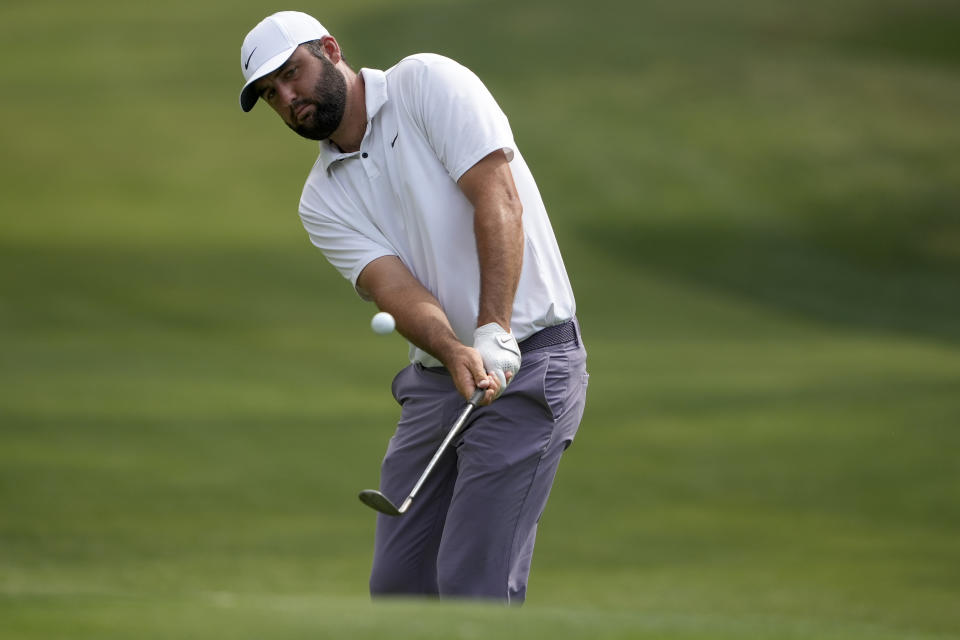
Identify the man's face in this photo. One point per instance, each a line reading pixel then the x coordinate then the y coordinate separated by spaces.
pixel 309 94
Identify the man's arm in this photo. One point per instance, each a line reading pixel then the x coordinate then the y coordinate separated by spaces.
pixel 498 226
pixel 499 235
pixel 422 321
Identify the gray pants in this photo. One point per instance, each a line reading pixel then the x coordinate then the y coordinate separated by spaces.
pixel 471 530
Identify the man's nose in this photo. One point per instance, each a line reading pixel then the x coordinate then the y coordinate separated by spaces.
pixel 286 93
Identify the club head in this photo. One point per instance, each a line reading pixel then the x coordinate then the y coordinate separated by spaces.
pixel 379 502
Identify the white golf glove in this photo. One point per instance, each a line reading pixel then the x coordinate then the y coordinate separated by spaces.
pixel 499 351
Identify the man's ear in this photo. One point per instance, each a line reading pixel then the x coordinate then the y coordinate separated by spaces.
pixel 332 48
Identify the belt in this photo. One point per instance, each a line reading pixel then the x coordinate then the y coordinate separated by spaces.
pixel 551 336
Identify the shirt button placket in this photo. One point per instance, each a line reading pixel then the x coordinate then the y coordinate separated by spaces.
pixel 369 165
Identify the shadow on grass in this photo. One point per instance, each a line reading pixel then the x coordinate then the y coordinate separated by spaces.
pixel 798 274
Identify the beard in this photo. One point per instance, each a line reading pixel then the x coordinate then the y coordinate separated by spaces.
pixel 329 101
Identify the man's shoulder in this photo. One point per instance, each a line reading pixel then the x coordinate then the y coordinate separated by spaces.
pixel 420 66
pixel 419 61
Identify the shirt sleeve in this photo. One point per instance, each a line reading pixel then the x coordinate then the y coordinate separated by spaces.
pixel 461 119
pixel 349 243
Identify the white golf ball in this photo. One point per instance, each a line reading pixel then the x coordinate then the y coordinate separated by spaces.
pixel 383 323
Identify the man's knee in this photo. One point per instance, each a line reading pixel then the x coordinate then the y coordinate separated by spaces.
pixel 490 585
pixel 391 579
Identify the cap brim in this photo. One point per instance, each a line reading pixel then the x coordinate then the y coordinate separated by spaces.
pixel 248 95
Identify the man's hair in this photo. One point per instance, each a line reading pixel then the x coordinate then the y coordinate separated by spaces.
pixel 316 48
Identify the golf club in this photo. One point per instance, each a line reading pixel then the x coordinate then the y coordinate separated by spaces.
pixel 379 502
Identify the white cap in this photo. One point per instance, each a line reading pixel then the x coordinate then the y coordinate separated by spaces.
pixel 270 43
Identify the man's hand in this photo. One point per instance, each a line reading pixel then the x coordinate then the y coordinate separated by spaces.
pixel 499 351
pixel 466 368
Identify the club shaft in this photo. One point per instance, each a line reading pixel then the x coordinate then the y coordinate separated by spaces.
pixel 454 430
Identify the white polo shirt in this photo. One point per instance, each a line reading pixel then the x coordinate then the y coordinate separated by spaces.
pixel 429 121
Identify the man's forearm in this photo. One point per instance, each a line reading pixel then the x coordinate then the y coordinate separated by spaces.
pixel 420 318
pixel 422 321
pixel 498 227
pixel 499 232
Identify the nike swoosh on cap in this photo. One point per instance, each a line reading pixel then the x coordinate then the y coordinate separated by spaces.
pixel 246 65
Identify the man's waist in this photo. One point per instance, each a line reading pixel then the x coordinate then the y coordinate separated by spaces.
pixel 558 334
pixel 567 332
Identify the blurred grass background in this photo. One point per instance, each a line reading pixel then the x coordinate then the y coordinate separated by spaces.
pixel 758 206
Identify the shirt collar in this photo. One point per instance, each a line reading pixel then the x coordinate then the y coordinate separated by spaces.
pixel 375 96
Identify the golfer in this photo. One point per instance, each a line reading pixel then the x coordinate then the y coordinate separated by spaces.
pixel 421 199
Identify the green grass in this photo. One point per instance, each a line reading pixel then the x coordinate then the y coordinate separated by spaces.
pixel 759 206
